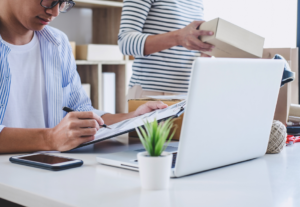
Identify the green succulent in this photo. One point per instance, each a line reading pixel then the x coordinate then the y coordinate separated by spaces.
pixel 155 135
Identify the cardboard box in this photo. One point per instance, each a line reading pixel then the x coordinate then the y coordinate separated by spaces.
pixel 97 52
pixel 232 41
pixel 73 46
pixel 291 56
pixel 289 93
pixel 294 110
pixel 283 104
pixel 135 103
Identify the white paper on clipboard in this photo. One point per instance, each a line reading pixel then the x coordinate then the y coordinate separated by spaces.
pixel 132 123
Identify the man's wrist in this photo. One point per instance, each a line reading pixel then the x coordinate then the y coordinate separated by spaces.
pixel 48 144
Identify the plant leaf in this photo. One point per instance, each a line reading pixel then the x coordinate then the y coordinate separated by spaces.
pixel 155 136
pixel 170 138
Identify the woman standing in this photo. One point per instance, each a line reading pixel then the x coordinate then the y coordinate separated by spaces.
pixel 162 35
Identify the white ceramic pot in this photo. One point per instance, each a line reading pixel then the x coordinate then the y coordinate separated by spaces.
pixel 155 171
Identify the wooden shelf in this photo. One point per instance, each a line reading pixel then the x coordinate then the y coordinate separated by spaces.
pixel 86 62
pixel 106 24
pixel 97 4
pixel 91 72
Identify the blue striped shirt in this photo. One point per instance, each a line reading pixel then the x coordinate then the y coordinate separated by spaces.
pixel 168 70
pixel 63 85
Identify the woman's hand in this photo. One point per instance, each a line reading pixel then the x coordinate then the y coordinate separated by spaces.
pixel 188 37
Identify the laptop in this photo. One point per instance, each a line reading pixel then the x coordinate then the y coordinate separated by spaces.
pixel 228 116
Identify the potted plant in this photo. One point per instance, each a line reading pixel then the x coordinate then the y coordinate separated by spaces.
pixel 154 163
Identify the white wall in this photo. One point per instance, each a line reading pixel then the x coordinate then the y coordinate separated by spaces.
pixel 273 19
pixel 77 24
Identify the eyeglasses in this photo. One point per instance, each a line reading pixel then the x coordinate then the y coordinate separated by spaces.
pixel 64 5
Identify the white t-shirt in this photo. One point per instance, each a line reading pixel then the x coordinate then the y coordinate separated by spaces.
pixel 27 102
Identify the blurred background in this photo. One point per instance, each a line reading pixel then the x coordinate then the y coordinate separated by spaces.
pixel 96 21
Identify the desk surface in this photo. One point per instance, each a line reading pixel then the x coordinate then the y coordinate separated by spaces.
pixel 273 180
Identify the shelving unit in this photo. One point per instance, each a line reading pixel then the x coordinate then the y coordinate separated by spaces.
pixel 86 62
pixel 105 25
pixel 97 4
pixel 91 72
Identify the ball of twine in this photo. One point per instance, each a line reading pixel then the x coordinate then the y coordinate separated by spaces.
pixel 277 138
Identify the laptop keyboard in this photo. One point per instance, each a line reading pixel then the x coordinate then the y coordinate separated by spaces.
pixel 174 159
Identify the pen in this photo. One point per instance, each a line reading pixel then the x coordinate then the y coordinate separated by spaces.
pixel 67 109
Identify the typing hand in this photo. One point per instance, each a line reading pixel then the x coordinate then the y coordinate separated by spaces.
pixel 149 106
pixel 75 129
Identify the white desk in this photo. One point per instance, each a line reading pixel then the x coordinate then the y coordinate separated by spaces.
pixel 273 180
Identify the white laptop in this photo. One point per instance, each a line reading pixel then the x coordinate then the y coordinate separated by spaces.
pixel 228 116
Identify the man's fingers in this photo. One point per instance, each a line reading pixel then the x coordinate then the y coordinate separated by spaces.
pixel 82 132
pixel 82 140
pixel 99 119
pixel 92 123
pixel 83 114
pixel 156 105
pixel 83 123
pixel 87 132
pixel 87 115
pixel 161 105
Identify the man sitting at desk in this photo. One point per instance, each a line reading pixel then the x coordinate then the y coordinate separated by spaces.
pixel 38 77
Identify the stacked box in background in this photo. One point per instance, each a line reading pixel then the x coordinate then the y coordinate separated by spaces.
pixel 73 46
pixel 289 93
pixel 135 103
pixel 99 52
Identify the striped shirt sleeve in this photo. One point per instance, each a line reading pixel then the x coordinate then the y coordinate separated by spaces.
pixel 131 38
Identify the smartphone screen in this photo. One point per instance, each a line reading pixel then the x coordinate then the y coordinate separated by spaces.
pixel 48 159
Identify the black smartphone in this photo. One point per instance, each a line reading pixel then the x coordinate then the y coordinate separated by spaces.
pixel 46 161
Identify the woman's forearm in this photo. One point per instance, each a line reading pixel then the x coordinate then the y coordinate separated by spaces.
pixel 156 43
pixel 187 37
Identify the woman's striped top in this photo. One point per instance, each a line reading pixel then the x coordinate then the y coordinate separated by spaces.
pixel 168 70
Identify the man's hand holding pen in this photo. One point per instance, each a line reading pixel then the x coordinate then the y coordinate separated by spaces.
pixel 67 109
pixel 75 128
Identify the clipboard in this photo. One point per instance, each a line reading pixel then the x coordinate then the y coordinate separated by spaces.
pixel 119 128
